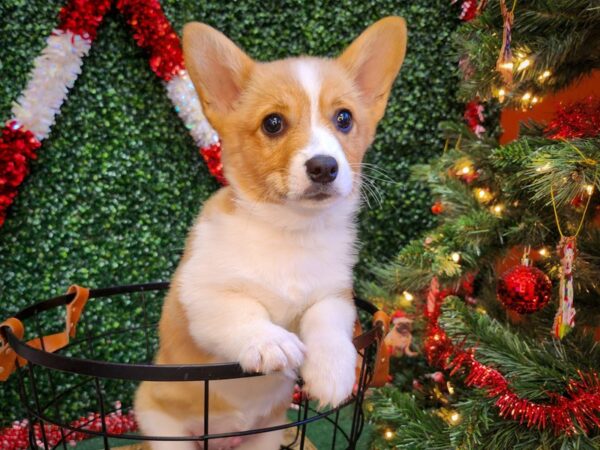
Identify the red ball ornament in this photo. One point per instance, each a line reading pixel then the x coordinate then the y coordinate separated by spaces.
pixel 437 208
pixel 524 289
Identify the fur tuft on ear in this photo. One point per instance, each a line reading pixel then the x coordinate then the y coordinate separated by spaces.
pixel 217 67
pixel 374 59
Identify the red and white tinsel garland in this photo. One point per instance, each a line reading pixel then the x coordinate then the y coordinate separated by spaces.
pixel 578 408
pixel 58 66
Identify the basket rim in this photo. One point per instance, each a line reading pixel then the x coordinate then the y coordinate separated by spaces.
pixel 143 371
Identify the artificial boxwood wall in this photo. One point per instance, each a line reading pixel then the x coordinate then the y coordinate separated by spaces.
pixel 119 181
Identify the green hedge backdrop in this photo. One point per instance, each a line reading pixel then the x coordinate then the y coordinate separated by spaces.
pixel 119 181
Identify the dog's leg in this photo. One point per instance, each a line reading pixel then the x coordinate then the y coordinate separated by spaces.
pixel 326 330
pixel 158 423
pixel 254 341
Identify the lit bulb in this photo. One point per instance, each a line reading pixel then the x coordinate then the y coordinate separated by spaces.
pixel 454 417
pixel 544 168
pixel 388 434
pixel 507 65
pixel 498 209
pixel 466 170
pixel 526 96
pixel 524 64
pixel 543 252
pixel 544 75
pixel 408 296
pixel 535 100
pixel 501 94
pixel 455 257
pixel 589 188
pixel 483 195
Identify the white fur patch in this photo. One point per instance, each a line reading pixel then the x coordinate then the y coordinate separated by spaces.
pixel 322 141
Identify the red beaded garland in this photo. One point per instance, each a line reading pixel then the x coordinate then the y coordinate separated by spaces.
pixel 524 289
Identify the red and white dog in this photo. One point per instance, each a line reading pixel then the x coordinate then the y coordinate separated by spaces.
pixel 266 277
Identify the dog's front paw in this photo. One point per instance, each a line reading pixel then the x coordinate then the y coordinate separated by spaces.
pixel 329 371
pixel 274 349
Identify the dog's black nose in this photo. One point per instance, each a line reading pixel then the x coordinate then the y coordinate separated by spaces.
pixel 322 169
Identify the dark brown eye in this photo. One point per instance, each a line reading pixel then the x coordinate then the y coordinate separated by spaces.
pixel 343 120
pixel 272 124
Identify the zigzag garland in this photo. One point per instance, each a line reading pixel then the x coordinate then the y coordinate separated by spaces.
pixel 59 65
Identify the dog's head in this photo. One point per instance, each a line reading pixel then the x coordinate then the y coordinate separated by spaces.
pixel 295 131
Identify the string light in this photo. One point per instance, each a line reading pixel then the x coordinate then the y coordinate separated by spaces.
pixel 408 296
pixel 454 418
pixel 543 252
pixel 501 94
pixel 535 100
pixel 589 188
pixel 544 75
pixel 466 170
pixel 481 310
pixel 388 434
pixel 507 65
pixel 455 257
pixel 524 64
pixel 483 195
pixel 526 96
pixel 497 209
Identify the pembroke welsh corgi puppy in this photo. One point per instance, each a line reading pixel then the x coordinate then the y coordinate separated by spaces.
pixel 266 276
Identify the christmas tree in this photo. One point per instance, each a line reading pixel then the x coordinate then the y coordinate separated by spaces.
pixel 504 291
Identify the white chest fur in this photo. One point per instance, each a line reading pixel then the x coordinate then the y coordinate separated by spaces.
pixel 286 262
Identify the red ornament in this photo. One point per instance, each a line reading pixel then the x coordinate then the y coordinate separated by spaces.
pixel 468 10
pixel 437 208
pixel 473 115
pixel 524 289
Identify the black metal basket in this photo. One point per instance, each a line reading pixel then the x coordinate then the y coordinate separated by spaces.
pixel 55 388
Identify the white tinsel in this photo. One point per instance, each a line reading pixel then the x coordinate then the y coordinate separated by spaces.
pixel 54 73
pixel 180 90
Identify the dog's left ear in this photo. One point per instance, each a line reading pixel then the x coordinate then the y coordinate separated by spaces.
pixel 374 59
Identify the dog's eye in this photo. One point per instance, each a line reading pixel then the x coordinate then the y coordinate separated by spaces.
pixel 343 120
pixel 273 124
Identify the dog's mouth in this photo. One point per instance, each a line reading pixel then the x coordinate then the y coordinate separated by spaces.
pixel 318 193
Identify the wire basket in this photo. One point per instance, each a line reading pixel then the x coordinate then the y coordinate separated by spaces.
pixel 59 387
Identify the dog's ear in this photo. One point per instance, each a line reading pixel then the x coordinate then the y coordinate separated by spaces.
pixel 217 67
pixel 374 59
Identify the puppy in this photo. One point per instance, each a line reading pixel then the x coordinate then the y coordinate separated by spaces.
pixel 266 276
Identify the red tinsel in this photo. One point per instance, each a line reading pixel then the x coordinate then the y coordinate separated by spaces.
pixel 576 120
pixel 17 147
pixel 212 156
pixel 578 408
pixel 82 17
pixel 153 32
pixel 17 436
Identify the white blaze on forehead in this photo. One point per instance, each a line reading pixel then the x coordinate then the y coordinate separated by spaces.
pixel 308 75
pixel 322 140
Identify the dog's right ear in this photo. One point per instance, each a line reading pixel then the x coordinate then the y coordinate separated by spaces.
pixel 217 67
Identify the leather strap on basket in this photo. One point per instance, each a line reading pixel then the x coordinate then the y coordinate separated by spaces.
pixel 382 358
pixel 50 343
pixel 382 361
